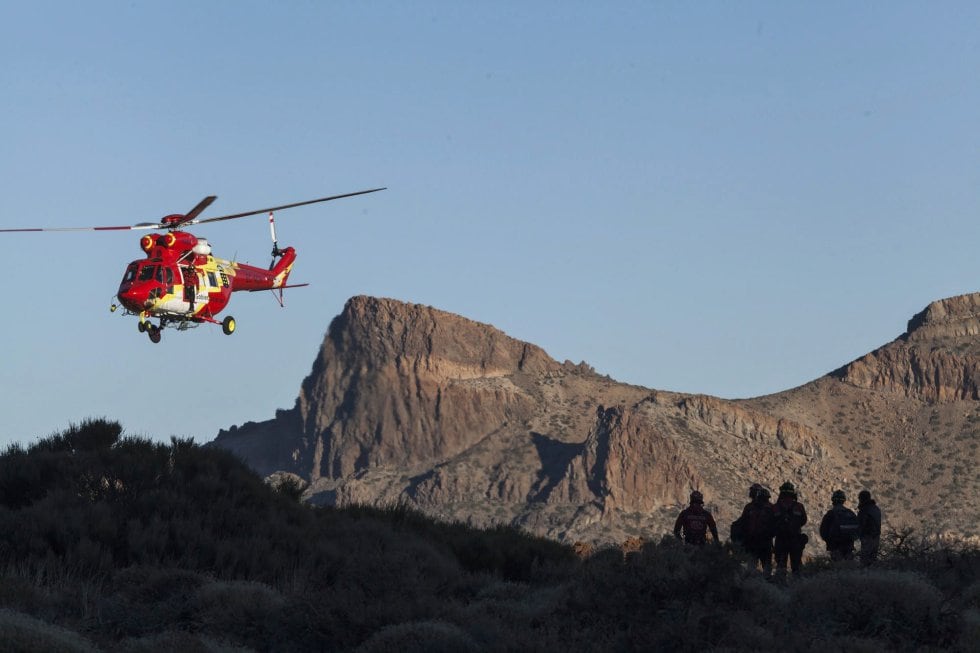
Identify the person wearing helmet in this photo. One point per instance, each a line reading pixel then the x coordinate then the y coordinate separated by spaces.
pixel 737 530
pixel 757 529
pixel 869 527
pixel 695 521
pixel 839 528
pixel 790 517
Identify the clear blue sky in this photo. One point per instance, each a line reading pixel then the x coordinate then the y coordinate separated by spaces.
pixel 728 198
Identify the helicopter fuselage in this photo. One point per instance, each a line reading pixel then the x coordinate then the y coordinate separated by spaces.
pixel 180 280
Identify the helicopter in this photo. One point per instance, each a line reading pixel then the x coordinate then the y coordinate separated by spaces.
pixel 181 283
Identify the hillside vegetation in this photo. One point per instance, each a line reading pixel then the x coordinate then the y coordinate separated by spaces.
pixel 124 544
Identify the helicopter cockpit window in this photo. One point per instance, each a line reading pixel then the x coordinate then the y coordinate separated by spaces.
pixel 130 273
pixel 147 272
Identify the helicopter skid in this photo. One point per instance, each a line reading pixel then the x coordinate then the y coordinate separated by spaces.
pixel 176 320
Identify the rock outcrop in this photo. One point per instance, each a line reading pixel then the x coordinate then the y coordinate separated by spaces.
pixel 742 422
pixel 626 464
pixel 937 359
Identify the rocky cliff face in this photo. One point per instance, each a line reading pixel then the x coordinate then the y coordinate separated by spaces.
pixel 626 464
pixel 937 359
pixel 406 403
pixel 403 384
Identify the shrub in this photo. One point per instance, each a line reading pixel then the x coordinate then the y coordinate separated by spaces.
pixel 894 605
pixel 419 637
pixel 90 435
pixel 143 600
pixel 248 611
pixel 21 633
pixel 970 631
pixel 175 641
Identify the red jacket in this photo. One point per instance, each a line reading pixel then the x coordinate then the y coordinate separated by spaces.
pixel 696 522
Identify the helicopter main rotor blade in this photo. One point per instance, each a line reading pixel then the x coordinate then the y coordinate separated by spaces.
pixel 196 211
pixel 284 206
pixel 123 228
pixel 191 218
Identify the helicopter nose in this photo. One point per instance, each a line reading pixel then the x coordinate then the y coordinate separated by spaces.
pixel 131 298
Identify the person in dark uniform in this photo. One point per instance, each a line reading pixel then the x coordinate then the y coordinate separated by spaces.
pixel 839 528
pixel 758 530
pixel 869 527
pixel 789 516
pixel 695 521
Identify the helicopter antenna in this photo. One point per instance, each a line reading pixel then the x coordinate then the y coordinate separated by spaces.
pixel 275 243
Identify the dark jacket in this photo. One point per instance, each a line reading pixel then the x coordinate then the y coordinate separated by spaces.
pixel 696 522
pixel 829 528
pixel 758 525
pixel 790 517
pixel 869 520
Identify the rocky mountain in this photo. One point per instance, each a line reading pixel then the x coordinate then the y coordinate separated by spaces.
pixel 407 403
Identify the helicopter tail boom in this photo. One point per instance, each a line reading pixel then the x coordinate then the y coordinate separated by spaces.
pixel 251 278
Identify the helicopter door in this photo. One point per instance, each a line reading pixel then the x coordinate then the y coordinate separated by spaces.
pixel 189 286
pixel 202 289
pixel 171 302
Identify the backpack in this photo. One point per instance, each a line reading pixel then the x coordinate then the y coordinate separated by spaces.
pixel 846 526
pixel 785 520
pixel 759 526
pixel 737 531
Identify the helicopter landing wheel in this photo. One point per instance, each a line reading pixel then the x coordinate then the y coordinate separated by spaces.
pixel 141 326
pixel 228 325
pixel 154 333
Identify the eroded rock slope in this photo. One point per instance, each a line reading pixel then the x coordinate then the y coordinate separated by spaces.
pixel 406 403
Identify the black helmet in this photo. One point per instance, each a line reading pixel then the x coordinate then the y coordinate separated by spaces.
pixel 838 496
pixel 787 488
pixel 754 490
pixel 864 497
pixel 762 494
pixel 697 497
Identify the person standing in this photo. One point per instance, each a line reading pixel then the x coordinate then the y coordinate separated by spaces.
pixel 695 521
pixel 869 527
pixel 789 516
pixel 738 526
pixel 839 528
pixel 757 518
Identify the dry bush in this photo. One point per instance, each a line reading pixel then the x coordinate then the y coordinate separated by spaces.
pixel 971 596
pixel 144 600
pixel 248 612
pixel 175 641
pixel 500 550
pixel 90 435
pixel 895 607
pixel 508 616
pixel 768 604
pixel 419 637
pixel 20 633
pixel 969 638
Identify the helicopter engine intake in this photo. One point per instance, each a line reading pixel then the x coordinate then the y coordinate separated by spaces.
pixel 179 240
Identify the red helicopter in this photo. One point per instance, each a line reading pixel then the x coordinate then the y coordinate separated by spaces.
pixel 181 283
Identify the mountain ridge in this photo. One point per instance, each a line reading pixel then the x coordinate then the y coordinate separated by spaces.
pixel 407 403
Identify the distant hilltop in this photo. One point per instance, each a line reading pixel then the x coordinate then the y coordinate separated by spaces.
pixel 407 403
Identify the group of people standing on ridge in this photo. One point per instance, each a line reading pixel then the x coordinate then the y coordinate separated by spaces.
pixel 765 529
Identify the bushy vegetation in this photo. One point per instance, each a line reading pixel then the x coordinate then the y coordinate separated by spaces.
pixel 124 544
